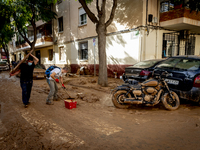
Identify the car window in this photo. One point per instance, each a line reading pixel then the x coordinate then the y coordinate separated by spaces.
pixel 3 63
pixel 146 64
pixel 188 64
pixel 169 63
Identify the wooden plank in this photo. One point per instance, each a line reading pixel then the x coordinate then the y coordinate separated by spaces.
pixel 13 71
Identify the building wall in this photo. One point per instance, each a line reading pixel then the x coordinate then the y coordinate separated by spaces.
pixel 121 49
pixel 197 45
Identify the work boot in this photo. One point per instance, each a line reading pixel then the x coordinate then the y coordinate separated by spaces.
pixel 49 103
pixel 55 99
pixel 25 106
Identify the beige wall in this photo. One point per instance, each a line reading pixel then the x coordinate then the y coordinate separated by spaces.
pixel 62 10
pixel 197 45
pixel 128 15
pixel 121 49
pixel 125 18
pixel 44 54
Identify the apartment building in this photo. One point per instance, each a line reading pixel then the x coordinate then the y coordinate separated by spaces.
pixel 141 30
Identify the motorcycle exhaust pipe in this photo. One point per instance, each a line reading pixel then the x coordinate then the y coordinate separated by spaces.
pixel 132 101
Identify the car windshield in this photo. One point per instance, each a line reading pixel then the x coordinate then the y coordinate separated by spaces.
pixel 169 63
pixel 3 63
pixel 146 64
pixel 188 64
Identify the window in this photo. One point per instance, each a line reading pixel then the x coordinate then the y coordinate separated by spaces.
pixel 166 6
pixel 169 63
pixel 178 43
pixel 82 17
pixel 61 54
pixel 60 24
pixel 50 54
pixel 146 64
pixel 83 51
pixel 188 64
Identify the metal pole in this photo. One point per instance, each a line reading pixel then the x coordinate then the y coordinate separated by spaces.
pixel 94 58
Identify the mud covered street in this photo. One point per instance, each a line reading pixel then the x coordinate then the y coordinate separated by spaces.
pixel 95 124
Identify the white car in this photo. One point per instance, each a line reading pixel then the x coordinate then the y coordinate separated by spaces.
pixel 4 65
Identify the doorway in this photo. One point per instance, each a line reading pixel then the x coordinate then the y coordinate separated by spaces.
pixel 37 54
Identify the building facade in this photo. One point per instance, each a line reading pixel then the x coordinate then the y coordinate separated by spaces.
pixel 141 30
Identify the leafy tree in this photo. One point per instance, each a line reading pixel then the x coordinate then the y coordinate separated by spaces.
pixel 6 28
pixel 101 29
pixel 27 12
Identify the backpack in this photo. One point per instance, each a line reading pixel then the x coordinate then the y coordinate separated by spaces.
pixel 47 72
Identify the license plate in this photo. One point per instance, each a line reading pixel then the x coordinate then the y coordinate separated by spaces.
pixel 134 75
pixel 174 82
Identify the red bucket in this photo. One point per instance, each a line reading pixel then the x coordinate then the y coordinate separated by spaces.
pixel 70 104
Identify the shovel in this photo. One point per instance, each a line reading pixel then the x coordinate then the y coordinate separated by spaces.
pixel 69 97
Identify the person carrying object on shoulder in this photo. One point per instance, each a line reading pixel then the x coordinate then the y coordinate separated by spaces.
pixel 26 77
pixel 54 77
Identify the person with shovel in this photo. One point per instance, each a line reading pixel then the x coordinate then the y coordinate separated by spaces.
pixel 52 78
pixel 26 77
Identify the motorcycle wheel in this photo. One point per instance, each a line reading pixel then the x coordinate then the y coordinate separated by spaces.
pixel 118 97
pixel 169 103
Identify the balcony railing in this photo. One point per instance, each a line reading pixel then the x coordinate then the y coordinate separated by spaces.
pixel 179 13
pixel 40 38
pixel 39 35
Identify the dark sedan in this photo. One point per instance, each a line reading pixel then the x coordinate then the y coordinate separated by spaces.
pixel 141 70
pixel 183 77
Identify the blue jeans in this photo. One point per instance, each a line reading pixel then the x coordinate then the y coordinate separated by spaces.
pixel 26 90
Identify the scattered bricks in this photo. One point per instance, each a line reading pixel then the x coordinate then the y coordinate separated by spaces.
pixel 93 81
pixel 82 82
pixel 85 99
pixel 90 101
pixel 94 98
pixel 80 95
pixel 73 87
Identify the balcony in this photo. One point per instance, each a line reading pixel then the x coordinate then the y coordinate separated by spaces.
pixel 181 19
pixel 42 41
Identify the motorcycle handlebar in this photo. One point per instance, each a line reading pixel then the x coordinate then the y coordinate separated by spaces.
pixel 162 75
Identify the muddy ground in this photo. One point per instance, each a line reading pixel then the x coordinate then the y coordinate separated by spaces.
pixel 95 124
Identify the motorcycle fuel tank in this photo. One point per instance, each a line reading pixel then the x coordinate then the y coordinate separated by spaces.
pixel 150 82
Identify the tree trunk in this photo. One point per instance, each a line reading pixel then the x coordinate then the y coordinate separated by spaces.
pixel 7 54
pixel 101 31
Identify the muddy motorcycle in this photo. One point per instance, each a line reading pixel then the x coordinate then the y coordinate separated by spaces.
pixel 150 93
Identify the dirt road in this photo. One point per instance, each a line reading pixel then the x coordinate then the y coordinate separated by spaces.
pixel 95 124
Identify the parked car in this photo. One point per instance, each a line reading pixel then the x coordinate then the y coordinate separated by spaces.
pixel 141 70
pixel 38 72
pixel 184 75
pixel 4 65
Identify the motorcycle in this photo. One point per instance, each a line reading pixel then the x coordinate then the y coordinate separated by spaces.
pixel 150 92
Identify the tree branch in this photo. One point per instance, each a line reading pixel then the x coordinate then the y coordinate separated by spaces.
pixel 92 17
pixel 97 6
pixel 112 13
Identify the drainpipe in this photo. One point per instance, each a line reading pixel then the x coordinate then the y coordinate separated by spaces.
pixel 146 11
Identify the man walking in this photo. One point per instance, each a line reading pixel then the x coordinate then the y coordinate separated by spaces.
pixel 26 78
pixel 54 77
